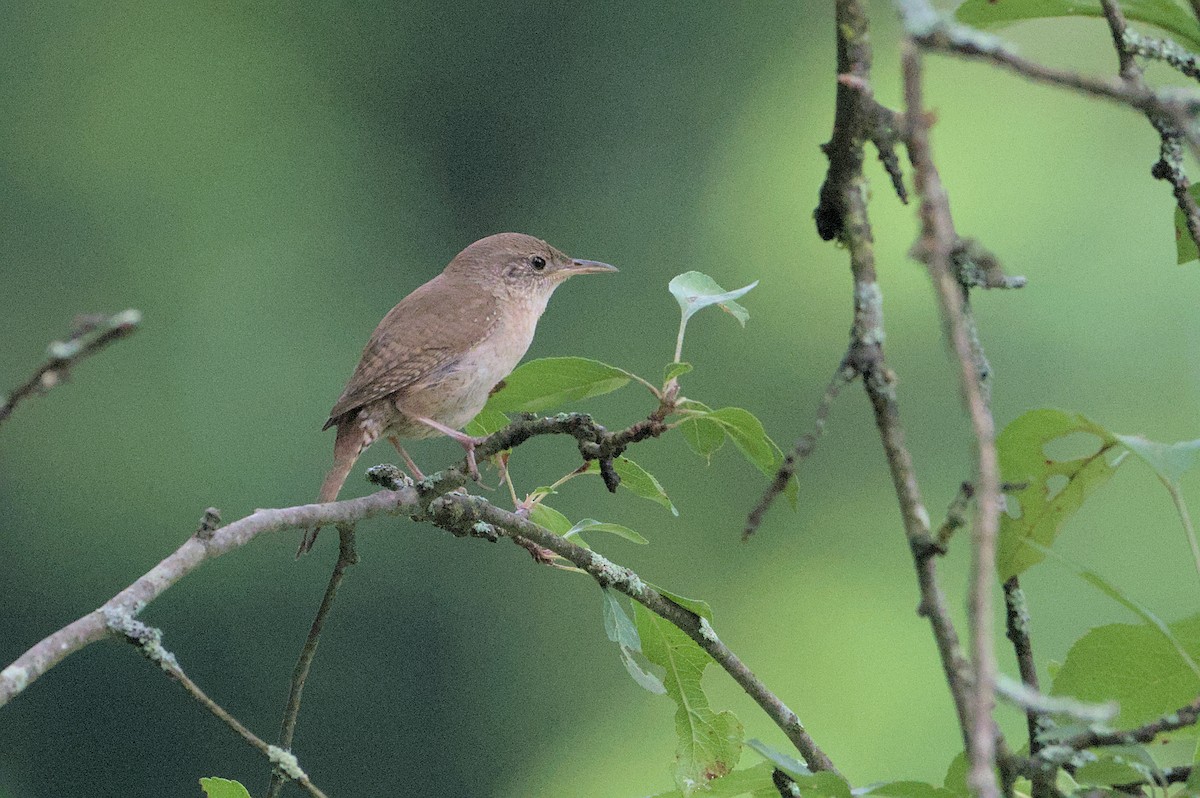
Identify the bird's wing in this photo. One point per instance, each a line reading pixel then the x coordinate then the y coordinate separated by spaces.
pixel 421 335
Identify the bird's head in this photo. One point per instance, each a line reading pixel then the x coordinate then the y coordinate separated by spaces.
pixel 518 266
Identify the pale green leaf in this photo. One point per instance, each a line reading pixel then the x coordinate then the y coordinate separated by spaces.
pixel 1136 665
pixel 695 291
pixel 956 775
pixel 675 370
pixel 215 787
pixel 486 423
pixel 1169 460
pixel 592 525
pixel 709 744
pixel 637 481
pixel 785 762
pixel 555 381
pixel 1163 14
pixel 1044 506
pixel 621 631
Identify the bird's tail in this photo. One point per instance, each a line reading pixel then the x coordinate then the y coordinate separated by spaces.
pixel 346 450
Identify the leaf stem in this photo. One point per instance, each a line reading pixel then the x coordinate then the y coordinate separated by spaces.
pixel 1186 518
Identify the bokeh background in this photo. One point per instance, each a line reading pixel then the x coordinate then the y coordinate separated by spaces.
pixel 265 180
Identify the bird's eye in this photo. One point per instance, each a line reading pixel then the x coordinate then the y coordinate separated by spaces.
pixel 538 263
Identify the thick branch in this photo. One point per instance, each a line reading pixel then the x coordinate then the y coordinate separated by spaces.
pixel 65 354
pixel 429 500
pixel 191 555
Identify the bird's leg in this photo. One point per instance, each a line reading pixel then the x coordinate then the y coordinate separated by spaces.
pixel 412 467
pixel 468 442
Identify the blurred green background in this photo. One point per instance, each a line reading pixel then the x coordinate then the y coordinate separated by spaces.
pixel 265 180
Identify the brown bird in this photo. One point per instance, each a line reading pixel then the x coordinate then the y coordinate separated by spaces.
pixel 435 357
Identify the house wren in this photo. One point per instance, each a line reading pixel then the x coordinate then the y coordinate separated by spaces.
pixel 435 357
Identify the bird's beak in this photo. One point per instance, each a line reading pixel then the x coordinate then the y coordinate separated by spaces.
pixel 587 267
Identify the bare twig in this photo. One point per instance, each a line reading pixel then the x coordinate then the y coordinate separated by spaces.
pixel 65 354
pixel 936 249
pixel 800 451
pixel 149 642
pixel 844 192
pixel 347 556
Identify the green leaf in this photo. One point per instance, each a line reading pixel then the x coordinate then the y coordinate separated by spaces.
pixel 1023 460
pixel 215 787
pixel 486 423
pixel 823 785
pixel 908 789
pixel 637 481
pixel 755 782
pixel 675 370
pixel 956 775
pixel 1160 13
pixel 621 631
pixel 704 436
pixel 748 436
pixel 709 744
pixel 550 518
pixel 592 525
pixel 1121 766
pixel 554 381
pixel 788 764
pixel 1136 665
pixel 1185 247
pixel 695 291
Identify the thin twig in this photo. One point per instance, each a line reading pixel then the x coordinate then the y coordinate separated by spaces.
pixel 347 556
pixel 65 354
pixel 1181 718
pixel 1016 624
pixel 936 249
pixel 149 641
pixel 800 451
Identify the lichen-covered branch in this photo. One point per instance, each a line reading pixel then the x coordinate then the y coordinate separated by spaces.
pixel 429 500
pixel 88 336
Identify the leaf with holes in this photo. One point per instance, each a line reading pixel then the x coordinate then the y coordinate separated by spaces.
pixel 709 743
pixel 1163 14
pixel 1045 505
pixel 555 381
pixel 755 782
